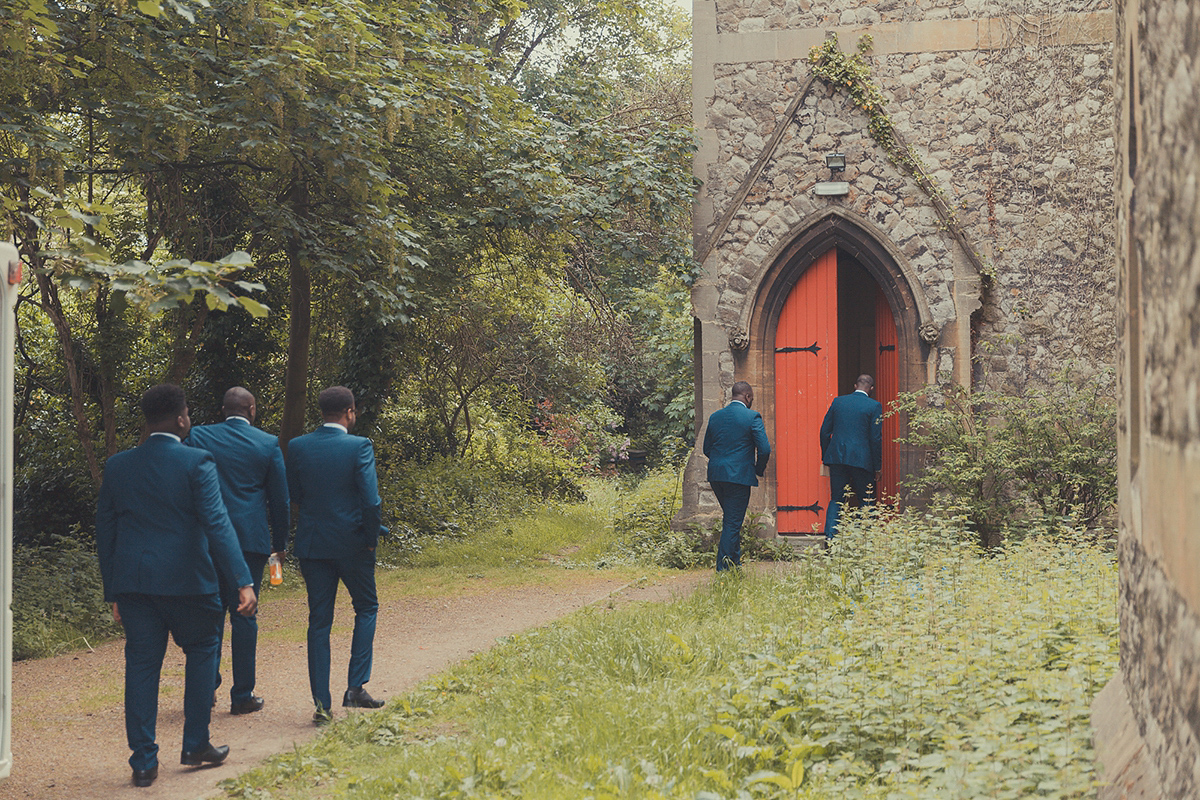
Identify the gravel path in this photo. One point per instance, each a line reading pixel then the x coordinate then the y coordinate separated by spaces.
pixel 68 724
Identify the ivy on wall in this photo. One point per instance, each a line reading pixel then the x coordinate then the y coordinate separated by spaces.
pixel 852 73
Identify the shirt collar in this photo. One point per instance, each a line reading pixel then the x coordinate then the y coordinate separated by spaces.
pixel 337 425
pixel 860 391
pixel 168 435
pixel 731 402
pixel 238 416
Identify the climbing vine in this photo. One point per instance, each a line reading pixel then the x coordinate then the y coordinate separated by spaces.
pixel 852 73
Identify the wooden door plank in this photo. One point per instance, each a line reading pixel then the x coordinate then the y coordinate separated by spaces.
pixel 805 383
pixel 887 384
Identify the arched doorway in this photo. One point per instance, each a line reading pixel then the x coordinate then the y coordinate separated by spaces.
pixel 835 325
pixel 881 282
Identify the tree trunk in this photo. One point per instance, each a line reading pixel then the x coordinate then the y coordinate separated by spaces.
pixel 186 341
pixel 52 305
pixel 295 382
pixel 107 377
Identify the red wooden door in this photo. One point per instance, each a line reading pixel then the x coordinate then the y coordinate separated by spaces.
pixel 806 365
pixel 887 384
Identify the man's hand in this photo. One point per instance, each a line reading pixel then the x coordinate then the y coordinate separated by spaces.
pixel 116 614
pixel 247 602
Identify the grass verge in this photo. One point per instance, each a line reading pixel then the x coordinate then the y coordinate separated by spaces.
pixel 904 664
pixel 545 548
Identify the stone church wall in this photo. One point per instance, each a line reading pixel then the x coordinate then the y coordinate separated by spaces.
pixel 1147 720
pixel 1007 104
pixel 760 15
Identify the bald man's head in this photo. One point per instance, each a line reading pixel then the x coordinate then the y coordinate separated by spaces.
pixel 239 402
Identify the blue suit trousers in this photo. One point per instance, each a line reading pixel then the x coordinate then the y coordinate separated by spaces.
pixel 243 632
pixel 321 578
pixel 194 621
pixel 734 499
pixel 862 485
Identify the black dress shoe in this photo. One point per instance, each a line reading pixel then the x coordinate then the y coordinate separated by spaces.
pixel 322 717
pixel 145 777
pixel 248 706
pixel 210 755
pixel 358 698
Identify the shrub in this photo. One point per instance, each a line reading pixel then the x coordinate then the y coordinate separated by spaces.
pixel 58 598
pixel 503 473
pixel 588 436
pixel 918 669
pixel 642 523
pixel 643 527
pixel 52 490
pixel 1042 459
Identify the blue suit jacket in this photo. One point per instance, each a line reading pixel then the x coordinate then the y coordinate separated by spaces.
pixel 161 527
pixel 253 482
pixel 331 475
pixel 736 445
pixel 852 432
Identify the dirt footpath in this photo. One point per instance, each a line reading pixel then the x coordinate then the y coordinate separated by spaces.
pixel 68 723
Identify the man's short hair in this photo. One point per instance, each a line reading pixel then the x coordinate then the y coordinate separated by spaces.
pixel 741 389
pixel 335 400
pixel 163 402
pixel 867 379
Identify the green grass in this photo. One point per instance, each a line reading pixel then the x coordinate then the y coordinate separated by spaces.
pixel 531 549
pixel 905 664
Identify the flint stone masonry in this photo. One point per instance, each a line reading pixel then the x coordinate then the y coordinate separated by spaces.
pixel 1158 238
pixel 1007 104
pixel 1016 141
pixel 760 15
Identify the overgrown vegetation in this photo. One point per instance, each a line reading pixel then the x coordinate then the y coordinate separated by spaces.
pixel 58 599
pixel 904 664
pixel 473 214
pixel 1043 459
pixel 642 523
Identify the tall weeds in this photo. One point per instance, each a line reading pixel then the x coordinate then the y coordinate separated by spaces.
pixel 903 663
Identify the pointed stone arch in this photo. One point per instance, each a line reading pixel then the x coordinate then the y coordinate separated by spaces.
pixel 916 332
pixel 799 249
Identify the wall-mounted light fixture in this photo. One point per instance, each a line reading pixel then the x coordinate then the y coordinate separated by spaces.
pixel 836 162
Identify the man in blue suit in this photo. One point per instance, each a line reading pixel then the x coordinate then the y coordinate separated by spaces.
pixel 254 488
pixel 735 442
pixel 331 475
pixel 852 448
pixel 162 535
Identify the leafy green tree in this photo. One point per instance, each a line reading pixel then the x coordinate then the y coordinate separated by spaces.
pixel 488 195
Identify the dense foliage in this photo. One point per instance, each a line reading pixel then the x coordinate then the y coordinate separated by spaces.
pixel 1040 459
pixel 906 663
pixel 58 599
pixel 645 534
pixel 642 523
pixel 472 212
